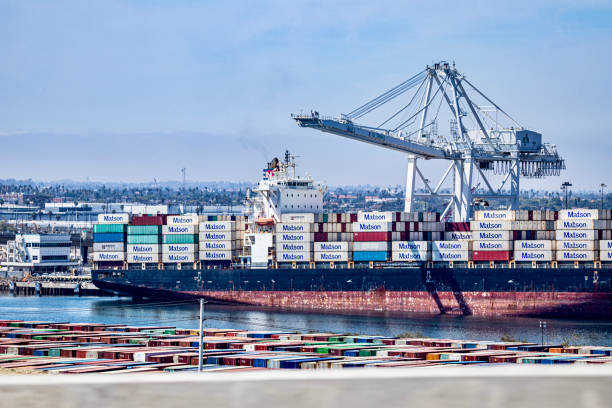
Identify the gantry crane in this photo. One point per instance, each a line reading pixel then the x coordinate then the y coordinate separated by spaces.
pixel 488 147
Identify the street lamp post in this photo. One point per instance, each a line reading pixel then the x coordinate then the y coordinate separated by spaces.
pixel 601 190
pixel 564 187
pixel 542 327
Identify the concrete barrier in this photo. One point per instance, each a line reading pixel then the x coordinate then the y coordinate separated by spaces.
pixel 512 386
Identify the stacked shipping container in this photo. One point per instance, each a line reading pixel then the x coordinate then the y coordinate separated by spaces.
pixel 109 240
pixel 180 242
pixel 144 239
pixel 494 235
pixel 220 238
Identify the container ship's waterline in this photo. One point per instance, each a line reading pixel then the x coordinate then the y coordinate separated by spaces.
pixel 286 253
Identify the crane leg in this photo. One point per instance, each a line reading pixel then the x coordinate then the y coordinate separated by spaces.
pixel 514 183
pixel 463 190
pixel 410 174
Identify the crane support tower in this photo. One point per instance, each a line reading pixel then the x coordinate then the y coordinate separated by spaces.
pixel 483 140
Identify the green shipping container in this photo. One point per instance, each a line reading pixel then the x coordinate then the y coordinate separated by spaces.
pixel 105 228
pixel 144 229
pixel 181 239
pixel 143 239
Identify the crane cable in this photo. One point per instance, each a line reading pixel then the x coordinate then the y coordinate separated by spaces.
pixel 385 97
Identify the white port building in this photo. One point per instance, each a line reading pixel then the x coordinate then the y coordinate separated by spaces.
pixel 38 253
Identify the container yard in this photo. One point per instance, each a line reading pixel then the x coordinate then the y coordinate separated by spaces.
pixel 80 348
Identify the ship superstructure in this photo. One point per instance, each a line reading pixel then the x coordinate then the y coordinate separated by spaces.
pixel 280 191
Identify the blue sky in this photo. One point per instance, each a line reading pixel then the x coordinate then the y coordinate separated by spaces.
pixel 131 90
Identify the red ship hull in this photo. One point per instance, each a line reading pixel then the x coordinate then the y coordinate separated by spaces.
pixel 557 304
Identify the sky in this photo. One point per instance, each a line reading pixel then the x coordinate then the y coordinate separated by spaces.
pixel 120 90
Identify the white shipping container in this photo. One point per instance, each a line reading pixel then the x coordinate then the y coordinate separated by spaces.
pixel 605 255
pixel 143 258
pixel 179 229
pixel 574 225
pixel 293 246
pixel 108 256
pixel 113 218
pixel 216 245
pixel 215 255
pixel 494 215
pixel 492 245
pixel 491 225
pixel 372 226
pixel 305 256
pixel 575 255
pixel 576 245
pixel 184 219
pixel 451 245
pixel 376 216
pixel 298 218
pixel 143 249
pixel 492 235
pixel 294 237
pixel 578 214
pixel 180 248
pixel 410 246
pixel 108 247
pixel 179 257
pixel 445 256
pixel 333 256
pixel 296 227
pixel 533 255
pixel 371 246
pixel 605 245
pixel 331 246
pixel 535 245
pixel 579 235
pixel 217 226
pixel 410 256
pixel 457 235
pixel 218 236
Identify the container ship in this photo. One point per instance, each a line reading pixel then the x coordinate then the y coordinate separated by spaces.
pixel 286 252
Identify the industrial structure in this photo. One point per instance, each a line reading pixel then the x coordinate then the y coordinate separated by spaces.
pixel 483 139
pixel 39 253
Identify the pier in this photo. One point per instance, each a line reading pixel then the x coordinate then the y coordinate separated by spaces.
pixel 54 286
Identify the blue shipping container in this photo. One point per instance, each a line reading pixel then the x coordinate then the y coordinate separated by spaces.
pixel 361 256
pixel 109 237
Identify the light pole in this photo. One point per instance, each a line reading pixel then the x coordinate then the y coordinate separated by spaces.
pixel 564 187
pixel 201 339
pixel 601 190
pixel 542 327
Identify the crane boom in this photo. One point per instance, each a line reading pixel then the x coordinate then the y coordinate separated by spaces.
pixel 380 137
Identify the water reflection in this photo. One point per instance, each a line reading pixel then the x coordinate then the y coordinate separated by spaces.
pixel 125 311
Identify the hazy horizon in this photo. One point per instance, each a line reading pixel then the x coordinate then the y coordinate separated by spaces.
pixel 132 91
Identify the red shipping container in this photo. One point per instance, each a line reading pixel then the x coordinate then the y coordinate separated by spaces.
pixel 354 218
pixel 371 236
pixel 320 236
pixel 491 255
pixel 149 219
pixel 457 226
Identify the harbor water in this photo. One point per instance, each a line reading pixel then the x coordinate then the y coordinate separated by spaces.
pixel 182 314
